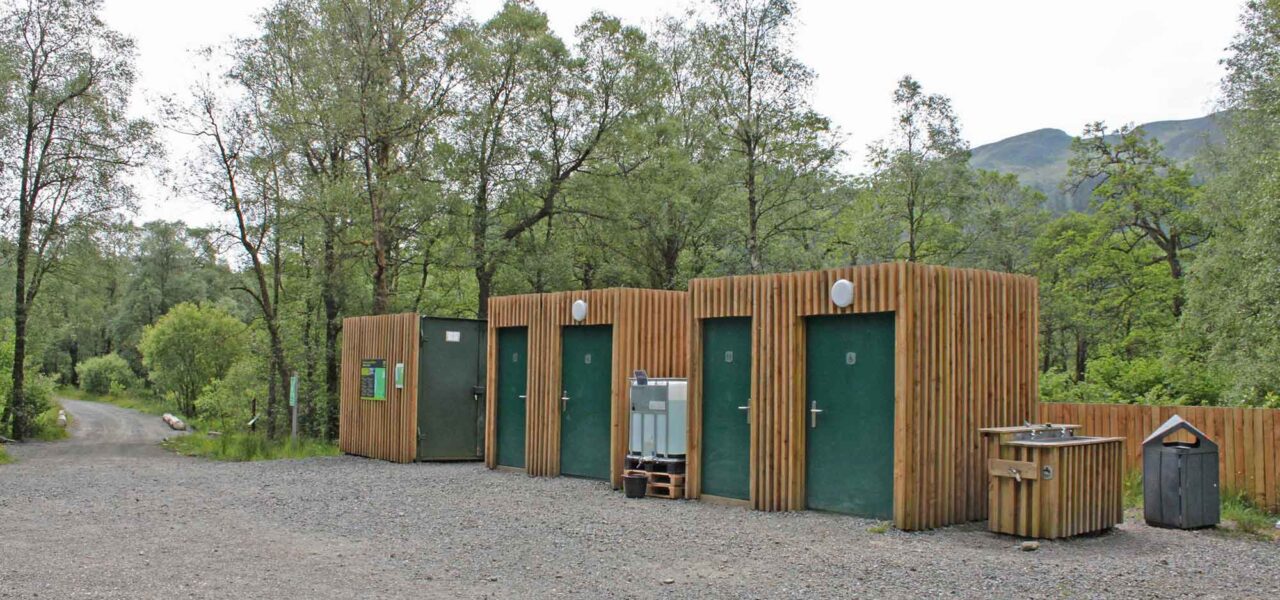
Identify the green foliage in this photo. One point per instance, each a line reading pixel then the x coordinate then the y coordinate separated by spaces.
pixel 4 456
pixel 226 402
pixel 239 447
pixel 1234 293
pixel 188 348
pixel 1239 508
pixel 104 374
pixel 1133 492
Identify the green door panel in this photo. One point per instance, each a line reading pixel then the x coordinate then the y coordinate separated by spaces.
pixel 726 387
pixel 849 377
pixel 513 379
pixel 451 367
pixel 585 375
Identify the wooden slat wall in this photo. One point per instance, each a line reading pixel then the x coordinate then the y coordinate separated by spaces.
pixel 965 358
pixel 1248 438
pixel 1084 495
pixel 380 429
pixel 650 332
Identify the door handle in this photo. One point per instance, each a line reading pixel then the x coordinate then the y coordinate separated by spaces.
pixel 564 400
pixel 748 409
pixel 523 397
pixel 813 414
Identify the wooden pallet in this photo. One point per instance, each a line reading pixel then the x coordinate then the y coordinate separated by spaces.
pixel 662 485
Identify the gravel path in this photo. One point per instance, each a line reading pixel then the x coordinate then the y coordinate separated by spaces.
pixel 128 520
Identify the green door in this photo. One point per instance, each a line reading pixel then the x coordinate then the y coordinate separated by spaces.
pixel 584 417
pixel 849 414
pixel 726 390
pixel 513 377
pixel 450 381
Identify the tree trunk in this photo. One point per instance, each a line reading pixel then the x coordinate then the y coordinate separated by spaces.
pixel 1175 271
pixel 332 326
pixel 754 264
pixel 21 421
pixel 1082 357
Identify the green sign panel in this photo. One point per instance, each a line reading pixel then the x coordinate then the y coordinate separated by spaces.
pixel 373 379
pixel 293 391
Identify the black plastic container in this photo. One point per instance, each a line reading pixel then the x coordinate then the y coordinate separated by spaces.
pixel 635 486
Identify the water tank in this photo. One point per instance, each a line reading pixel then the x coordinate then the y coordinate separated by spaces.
pixel 659 418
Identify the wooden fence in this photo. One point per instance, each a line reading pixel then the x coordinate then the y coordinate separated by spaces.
pixel 1248 438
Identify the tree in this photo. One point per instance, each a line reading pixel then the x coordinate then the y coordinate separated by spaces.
pixel 71 142
pixel 1234 283
pixel 1004 221
pixel 189 347
pixel 240 174
pixel 1141 193
pixel 759 101
pixel 920 176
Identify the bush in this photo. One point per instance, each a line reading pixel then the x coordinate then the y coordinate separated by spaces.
pixel 103 374
pixel 228 401
pixel 190 347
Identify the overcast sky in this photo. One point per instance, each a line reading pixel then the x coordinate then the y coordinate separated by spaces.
pixel 1009 66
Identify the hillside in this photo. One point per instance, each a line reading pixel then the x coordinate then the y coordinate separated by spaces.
pixel 1039 158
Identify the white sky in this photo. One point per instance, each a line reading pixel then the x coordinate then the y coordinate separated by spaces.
pixel 1009 66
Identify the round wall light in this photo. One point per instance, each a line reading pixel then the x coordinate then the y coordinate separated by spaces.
pixel 842 293
pixel 579 310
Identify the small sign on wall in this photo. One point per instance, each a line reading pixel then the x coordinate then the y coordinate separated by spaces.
pixel 453 336
pixel 373 379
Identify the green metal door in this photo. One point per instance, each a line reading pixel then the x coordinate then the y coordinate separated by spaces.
pixel 585 372
pixel 513 378
pixel 726 390
pixel 450 381
pixel 849 414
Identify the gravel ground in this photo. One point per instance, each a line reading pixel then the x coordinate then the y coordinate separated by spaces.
pixel 129 520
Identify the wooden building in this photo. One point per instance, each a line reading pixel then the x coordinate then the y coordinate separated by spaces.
pixel 411 388
pixel 870 407
pixel 558 381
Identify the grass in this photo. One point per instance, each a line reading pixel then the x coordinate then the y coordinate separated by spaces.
pixel 1239 512
pixel 881 527
pixel 240 447
pixel 1248 517
pixel 1133 489
pixel 4 456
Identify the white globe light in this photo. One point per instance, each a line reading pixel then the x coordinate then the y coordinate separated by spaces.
pixel 579 310
pixel 842 293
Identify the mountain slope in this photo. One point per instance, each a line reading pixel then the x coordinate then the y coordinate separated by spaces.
pixel 1039 158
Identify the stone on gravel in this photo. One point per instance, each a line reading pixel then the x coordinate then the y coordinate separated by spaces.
pixel 1029 546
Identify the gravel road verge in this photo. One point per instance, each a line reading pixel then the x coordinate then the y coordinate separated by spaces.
pixel 163 526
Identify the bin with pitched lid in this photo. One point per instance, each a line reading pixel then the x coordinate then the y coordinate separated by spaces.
pixel 1180 478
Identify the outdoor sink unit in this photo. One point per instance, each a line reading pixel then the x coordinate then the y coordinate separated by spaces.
pixel 1048 482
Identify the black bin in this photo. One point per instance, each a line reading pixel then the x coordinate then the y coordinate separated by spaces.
pixel 1180 479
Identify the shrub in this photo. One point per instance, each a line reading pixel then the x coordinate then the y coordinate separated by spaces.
pixel 104 374
pixel 228 401
pixel 188 348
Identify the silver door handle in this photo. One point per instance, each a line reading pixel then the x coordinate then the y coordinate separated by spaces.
pixel 813 414
pixel 523 397
pixel 748 409
pixel 564 400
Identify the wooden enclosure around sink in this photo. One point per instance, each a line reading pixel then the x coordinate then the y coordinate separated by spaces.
pixel 1054 487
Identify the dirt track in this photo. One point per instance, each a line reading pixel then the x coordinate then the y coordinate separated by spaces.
pixel 108 514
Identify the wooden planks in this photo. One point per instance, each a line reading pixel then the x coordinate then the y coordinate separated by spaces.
pixel 650 332
pixel 1083 491
pixel 1248 438
pixel 385 429
pixel 965 358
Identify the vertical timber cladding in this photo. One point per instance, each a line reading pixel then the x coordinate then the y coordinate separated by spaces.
pixel 965 357
pixel 650 332
pixel 385 429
